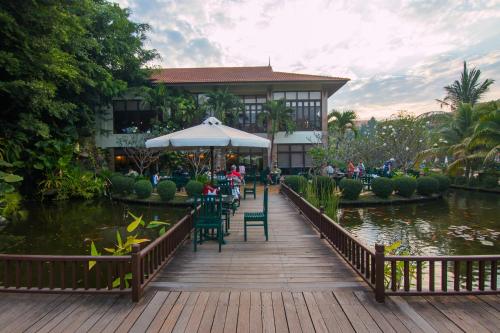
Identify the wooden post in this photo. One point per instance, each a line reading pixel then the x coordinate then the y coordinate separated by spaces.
pixel 136 273
pixel 379 273
pixel 321 221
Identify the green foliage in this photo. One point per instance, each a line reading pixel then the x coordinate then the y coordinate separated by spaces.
pixel 295 182
pixel 125 247
pixel 489 181
pixel 329 200
pixel 474 182
pixel 405 186
pixel 427 185
pixel 396 249
pixel 224 105
pixel 444 182
pixel 166 189
pixel 351 188
pixel 323 184
pixel 122 184
pixel 461 180
pixel 194 188
pixel 202 178
pixel 143 189
pixel 382 187
pixel 62 61
pixel 72 183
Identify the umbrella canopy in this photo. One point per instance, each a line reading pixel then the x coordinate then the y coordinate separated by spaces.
pixel 211 133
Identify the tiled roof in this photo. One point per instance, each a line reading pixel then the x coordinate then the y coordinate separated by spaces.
pixel 234 75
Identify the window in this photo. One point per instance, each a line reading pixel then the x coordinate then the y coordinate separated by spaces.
pixel 294 157
pixel 248 119
pixel 131 116
pixel 307 106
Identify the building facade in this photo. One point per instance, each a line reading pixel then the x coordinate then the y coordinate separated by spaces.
pixel 306 94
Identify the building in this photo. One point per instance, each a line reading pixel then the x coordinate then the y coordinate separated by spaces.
pixel 307 94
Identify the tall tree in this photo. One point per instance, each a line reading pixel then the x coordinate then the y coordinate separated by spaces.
pixel 469 89
pixel 61 62
pixel 277 116
pixel 224 105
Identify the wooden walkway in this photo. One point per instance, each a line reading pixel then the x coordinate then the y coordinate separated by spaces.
pixel 293 283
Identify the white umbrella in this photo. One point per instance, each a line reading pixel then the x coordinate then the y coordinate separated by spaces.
pixel 211 133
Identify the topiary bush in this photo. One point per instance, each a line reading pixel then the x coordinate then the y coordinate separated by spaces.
pixel 443 181
pixel 122 184
pixel 382 187
pixel 323 184
pixel 143 189
pixel 427 185
pixel 404 186
pixel 351 188
pixel 461 180
pixel 489 181
pixel 295 182
pixel 474 182
pixel 166 189
pixel 193 188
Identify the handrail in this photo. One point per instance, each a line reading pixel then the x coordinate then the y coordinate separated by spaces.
pixel 146 263
pixel 93 274
pixel 357 255
pixel 404 275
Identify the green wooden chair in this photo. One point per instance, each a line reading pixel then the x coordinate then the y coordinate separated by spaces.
pixel 257 219
pixel 250 190
pixel 208 217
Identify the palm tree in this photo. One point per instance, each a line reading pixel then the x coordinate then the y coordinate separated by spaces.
pixel 468 90
pixel 485 140
pixel 224 106
pixel 342 122
pixel 277 116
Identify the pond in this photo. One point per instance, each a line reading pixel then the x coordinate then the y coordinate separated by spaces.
pixel 462 223
pixel 68 227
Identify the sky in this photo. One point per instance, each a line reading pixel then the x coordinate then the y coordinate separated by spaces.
pixel 398 54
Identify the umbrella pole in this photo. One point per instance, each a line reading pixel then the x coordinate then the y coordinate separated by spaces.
pixel 212 165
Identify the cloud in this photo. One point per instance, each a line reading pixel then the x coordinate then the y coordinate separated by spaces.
pixel 397 54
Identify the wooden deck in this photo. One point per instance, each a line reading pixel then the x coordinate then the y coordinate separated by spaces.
pixel 293 283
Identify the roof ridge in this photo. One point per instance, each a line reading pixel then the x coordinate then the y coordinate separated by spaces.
pixel 216 67
pixel 315 75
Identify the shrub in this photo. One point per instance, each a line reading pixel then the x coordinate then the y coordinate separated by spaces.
pixel 427 185
pixel 474 182
pixel 122 184
pixel 143 189
pixel 166 190
pixel 350 188
pixel 323 184
pixel 193 188
pixel 490 181
pixel 405 186
pixel 382 187
pixel 443 181
pixel 295 182
pixel 461 180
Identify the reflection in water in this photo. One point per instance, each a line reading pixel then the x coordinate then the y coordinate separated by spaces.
pixel 462 223
pixel 68 227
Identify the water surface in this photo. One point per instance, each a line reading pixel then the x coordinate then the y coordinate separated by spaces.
pixel 462 223
pixel 68 227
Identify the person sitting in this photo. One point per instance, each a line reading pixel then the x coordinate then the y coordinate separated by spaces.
pixel 235 180
pixel 209 190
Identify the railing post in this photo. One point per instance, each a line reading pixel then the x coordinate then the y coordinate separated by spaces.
pixel 379 273
pixel 321 221
pixel 136 273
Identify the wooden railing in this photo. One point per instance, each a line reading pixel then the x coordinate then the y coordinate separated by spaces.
pixel 404 275
pixel 93 274
pixel 45 273
pixel 356 254
pixel 146 263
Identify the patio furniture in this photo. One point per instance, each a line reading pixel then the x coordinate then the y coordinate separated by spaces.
pixel 208 217
pixel 367 181
pixel 250 190
pixel 257 219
